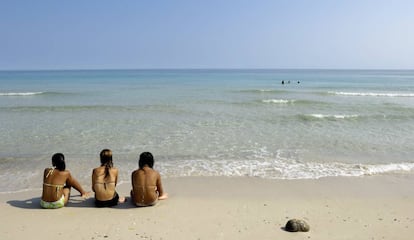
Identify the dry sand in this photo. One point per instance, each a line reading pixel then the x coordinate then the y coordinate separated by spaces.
pixel 370 207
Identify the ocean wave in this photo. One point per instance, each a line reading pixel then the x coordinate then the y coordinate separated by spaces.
pixel 279 101
pixel 401 115
pixel 277 169
pixel 332 116
pixel 319 170
pixel 373 94
pixel 291 101
pixel 21 93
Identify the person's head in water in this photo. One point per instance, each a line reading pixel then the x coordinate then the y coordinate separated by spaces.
pixel 58 161
pixel 106 160
pixel 146 158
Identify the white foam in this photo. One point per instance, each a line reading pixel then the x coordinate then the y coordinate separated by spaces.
pixel 393 167
pixel 319 170
pixel 279 101
pixel 20 93
pixel 336 116
pixel 374 94
pixel 277 169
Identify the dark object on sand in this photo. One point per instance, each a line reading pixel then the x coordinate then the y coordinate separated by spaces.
pixel 297 225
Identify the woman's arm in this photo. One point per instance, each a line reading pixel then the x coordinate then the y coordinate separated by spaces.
pixel 76 185
pixel 160 189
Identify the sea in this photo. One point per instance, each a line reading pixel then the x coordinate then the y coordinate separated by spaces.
pixel 259 123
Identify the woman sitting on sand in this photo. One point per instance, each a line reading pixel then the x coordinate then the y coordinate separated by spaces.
pixel 104 180
pixel 57 183
pixel 146 183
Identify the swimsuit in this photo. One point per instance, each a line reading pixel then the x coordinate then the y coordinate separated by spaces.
pixel 108 203
pixel 56 204
pixel 105 183
pixel 57 186
pixel 53 205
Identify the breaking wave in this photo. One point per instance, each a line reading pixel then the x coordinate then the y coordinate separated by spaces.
pixel 373 94
pixel 280 101
pixel 333 116
pixel 20 93
pixel 276 169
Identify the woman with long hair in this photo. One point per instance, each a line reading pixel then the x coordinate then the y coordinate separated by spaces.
pixel 104 180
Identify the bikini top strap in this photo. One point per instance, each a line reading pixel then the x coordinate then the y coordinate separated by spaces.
pixel 49 173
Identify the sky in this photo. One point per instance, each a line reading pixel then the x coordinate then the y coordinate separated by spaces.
pixel 138 34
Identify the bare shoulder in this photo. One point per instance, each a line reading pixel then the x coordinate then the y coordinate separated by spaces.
pixel 98 170
pixel 134 172
pixel 65 173
pixel 45 172
pixel 95 172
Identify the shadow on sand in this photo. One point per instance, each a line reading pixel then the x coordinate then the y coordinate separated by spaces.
pixel 74 201
pixel 32 203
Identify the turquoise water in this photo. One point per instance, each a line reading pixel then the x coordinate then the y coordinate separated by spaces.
pixel 207 122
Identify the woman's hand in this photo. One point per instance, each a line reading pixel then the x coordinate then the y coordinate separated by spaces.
pixel 85 195
pixel 163 197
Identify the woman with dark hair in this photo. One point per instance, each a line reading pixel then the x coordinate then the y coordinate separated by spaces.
pixel 146 183
pixel 104 180
pixel 57 182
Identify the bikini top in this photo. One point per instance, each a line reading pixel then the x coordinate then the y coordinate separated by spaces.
pixel 104 183
pixel 57 186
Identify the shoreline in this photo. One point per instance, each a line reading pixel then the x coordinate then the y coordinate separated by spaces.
pixel 374 207
pixel 254 169
pixel 407 173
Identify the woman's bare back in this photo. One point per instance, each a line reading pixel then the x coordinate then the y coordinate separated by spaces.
pixel 104 187
pixel 146 186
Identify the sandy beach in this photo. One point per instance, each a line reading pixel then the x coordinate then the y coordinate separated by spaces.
pixel 371 207
pixel 254 112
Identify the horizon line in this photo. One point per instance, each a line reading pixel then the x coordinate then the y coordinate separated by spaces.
pixel 201 69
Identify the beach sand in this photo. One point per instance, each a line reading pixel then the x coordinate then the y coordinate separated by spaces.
pixel 370 207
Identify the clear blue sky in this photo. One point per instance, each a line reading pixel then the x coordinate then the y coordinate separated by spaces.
pixel 102 34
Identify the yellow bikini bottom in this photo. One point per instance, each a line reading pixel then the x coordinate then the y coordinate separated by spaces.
pixel 53 205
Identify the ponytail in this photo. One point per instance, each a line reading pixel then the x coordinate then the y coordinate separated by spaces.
pixel 106 160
